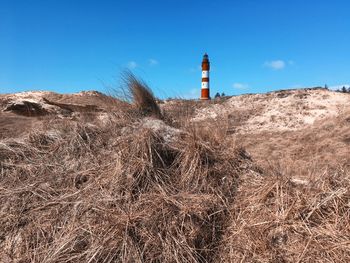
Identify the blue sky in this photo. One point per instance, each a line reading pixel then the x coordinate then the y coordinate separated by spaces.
pixel 253 45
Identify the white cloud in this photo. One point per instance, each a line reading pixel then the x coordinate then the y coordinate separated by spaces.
pixel 275 64
pixel 339 87
pixel 240 86
pixel 153 62
pixel 132 65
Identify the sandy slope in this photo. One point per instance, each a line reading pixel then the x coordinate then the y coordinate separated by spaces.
pixel 277 111
pixel 23 111
pixel 80 98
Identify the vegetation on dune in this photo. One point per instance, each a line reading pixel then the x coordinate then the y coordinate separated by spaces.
pixel 141 95
pixel 278 218
pixel 77 193
pixel 131 188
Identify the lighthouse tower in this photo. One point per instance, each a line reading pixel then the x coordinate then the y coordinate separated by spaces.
pixel 205 93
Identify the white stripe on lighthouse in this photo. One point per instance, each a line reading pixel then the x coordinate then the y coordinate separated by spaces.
pixel 205 74
pixel 205 85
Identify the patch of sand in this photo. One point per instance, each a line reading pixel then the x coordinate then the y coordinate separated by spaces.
pixel 281 110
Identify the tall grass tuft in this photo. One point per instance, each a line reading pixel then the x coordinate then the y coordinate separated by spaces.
pixel 142 96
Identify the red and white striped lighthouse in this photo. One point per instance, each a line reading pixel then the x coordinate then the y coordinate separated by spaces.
pixel 205 93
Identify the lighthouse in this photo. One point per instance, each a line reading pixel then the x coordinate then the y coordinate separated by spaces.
pixel 205 93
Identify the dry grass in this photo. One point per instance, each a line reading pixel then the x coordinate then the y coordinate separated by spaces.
pixel 80 193
pixel 320 146
pixel 132 189
pixel 142 95
pixel 280 219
